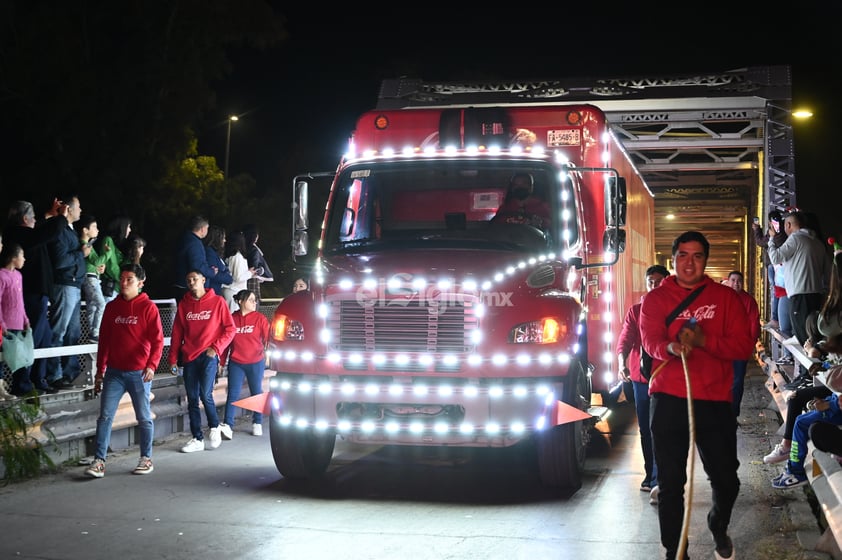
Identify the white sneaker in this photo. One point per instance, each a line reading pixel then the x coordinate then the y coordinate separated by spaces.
pixel 778 455
pixel 194 445
pixel 726 552
pixel 215 437
pixel 227 432
pixel 257 429
pixel 653 496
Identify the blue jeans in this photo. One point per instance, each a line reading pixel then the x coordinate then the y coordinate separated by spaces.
pixel 641 406
pixel 42 336
pixel 66 324
pixel 115 384
pixel 199 379
pixel 253 373
pixel 770 275
pixel 801 433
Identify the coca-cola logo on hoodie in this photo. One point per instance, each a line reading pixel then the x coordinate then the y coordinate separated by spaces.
pixel 130 320
pixel 199 316
pixel 245 329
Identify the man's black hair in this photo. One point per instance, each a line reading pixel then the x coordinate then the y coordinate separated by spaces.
pixel 689 236
pixel 138 270
pixel 657 269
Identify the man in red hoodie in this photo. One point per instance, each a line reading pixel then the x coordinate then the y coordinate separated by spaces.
pixel 130 346
pixel 201 331
pixel 695 346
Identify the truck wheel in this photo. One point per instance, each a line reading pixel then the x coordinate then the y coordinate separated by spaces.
pixel 301 453
pixel 561 450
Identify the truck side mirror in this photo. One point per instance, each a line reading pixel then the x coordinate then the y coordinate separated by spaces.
pixel 615 202
pixel 614 241
pixel 300 220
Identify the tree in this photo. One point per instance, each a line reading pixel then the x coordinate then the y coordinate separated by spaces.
pixel 102 97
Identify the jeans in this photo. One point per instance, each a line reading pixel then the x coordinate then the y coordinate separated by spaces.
pixel 716 441
pixel 65 322
pixel 737 389
pixel 94 302
pixel 641 407
pixel 796 404
pixel 115 384
pixel 199 379
pixel 42 336
pixel 253 373
pixel 770 275
pixel 801 434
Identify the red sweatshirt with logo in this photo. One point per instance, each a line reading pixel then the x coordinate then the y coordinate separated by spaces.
pixel 728 337
pixel 249 344
pixel 130 337
pixel 201 324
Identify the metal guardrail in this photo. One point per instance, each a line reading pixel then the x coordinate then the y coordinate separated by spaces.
pixel 823 470
pixel 87 351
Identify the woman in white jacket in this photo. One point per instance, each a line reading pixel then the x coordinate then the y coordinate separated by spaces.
pixel 235 250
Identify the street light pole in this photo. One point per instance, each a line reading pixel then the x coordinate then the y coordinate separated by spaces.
pixel 231 118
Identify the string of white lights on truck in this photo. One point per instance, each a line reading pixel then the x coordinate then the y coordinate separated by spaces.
pixel 543 392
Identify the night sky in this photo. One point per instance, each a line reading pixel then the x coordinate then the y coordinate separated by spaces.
pixel 304 95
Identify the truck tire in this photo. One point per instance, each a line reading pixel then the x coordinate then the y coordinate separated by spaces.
pixel 561 450
pixel 301 454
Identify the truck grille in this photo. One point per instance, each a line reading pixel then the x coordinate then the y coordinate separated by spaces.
pixel 402 326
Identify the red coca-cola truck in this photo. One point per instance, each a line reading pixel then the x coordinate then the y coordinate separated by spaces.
pixel 434 320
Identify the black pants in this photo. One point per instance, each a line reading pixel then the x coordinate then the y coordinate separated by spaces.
pixel 716 441
pixel 801 305
pixel 827 437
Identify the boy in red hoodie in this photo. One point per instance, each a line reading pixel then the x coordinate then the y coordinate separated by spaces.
pixel 130 346
pixel 202 329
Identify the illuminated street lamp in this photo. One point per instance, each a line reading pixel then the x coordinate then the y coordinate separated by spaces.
pixel 231 118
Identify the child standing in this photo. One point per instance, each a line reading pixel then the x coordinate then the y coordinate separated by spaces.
pixel 12 313
pixel 88 231
pixel 246 359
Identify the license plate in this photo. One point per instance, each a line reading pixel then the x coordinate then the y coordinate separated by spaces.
pixel 564 137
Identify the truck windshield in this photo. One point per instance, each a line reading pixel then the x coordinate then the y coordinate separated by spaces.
pixel 453 203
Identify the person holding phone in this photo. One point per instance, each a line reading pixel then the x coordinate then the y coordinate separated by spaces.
pixel 761 239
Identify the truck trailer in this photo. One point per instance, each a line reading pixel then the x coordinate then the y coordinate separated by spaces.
pixel 434 318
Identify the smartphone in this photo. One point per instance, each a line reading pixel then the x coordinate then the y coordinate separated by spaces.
pixel 775 225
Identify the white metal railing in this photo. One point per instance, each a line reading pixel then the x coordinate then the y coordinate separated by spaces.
pixel 89 350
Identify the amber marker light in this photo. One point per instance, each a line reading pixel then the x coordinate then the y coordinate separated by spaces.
pixel 381 122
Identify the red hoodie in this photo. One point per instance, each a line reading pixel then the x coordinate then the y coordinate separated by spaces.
pixel 629 342
pixel 201 324
pixel 249 344
pixel 728 337
pixel 131 337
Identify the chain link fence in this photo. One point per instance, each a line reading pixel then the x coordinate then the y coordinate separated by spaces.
pixel 167 309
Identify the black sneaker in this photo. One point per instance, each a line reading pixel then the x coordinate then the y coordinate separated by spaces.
pixel 803 380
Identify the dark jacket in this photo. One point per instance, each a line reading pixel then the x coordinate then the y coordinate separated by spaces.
pixel 68 258
pixel 37 271
pixel 223 275
pixel 190 255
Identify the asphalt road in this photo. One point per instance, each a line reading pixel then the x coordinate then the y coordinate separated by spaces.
pixel 413 503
